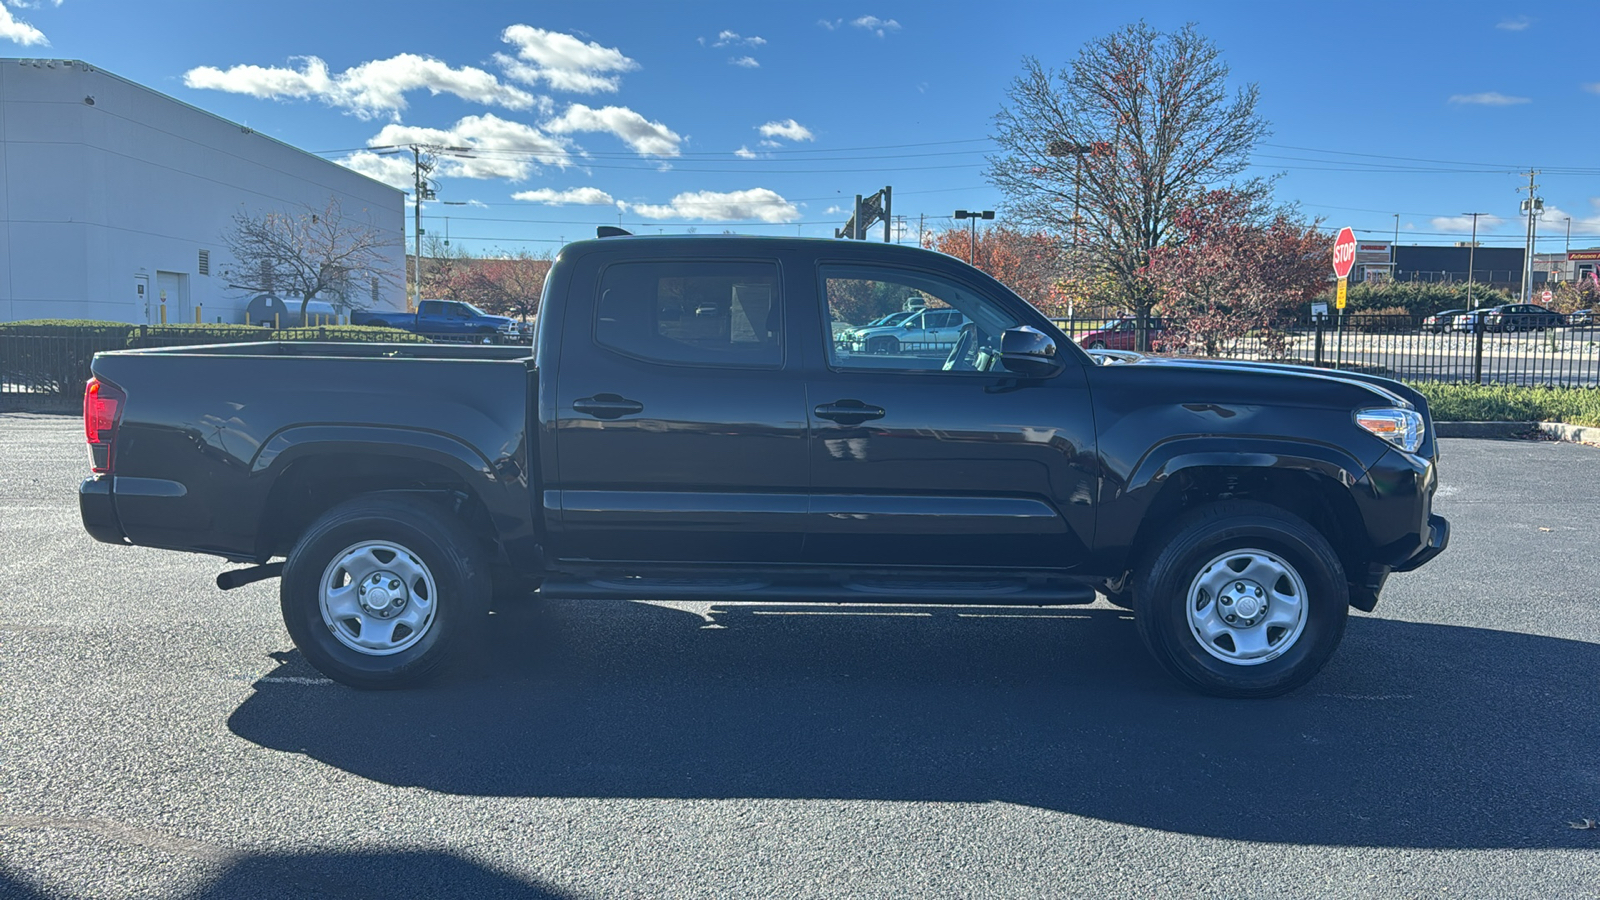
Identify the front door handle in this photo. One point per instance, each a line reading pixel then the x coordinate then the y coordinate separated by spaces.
pixel 607 406
pixel 848 412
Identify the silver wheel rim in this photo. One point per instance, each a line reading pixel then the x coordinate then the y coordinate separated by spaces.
pixel 1247 607
pixel 378 598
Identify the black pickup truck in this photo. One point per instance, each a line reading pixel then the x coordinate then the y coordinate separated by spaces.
pixel 690 426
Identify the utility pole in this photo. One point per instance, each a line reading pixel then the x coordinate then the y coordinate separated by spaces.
pixel 1532 206
pixel 420 169
pixel 1472 248
pixel 922 228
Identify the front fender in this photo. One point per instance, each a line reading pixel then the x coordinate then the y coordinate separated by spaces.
pixel 1125 500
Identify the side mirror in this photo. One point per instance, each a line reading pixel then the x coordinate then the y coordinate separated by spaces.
pixel 1029 352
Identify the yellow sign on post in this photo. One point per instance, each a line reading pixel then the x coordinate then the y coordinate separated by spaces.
pixel 1343 284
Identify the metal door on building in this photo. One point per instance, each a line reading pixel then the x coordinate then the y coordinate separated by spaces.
pixel 172 291
pixel 143 309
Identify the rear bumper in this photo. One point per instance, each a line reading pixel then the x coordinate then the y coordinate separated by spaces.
pixel 98 514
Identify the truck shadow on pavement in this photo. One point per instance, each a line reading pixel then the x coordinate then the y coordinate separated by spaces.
pixel 1415 736
pixel 402 874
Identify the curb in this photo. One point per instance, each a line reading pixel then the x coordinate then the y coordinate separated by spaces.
pixel 1582 434
pixel 1482 429
pixel 1561 431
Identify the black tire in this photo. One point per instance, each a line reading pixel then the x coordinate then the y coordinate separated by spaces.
pixel 449 554
pixel 1163 583
pixel 883 345
pixel 1098 345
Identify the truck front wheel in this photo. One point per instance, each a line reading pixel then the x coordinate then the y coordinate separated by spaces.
pixel 381 590
pixel 1243 600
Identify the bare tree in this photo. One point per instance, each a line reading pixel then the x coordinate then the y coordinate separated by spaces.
pixel 313 254
pixel 1137 129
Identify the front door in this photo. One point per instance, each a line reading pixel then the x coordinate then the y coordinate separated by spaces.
pixel 143 309
pixel 934 455
pixel 680 426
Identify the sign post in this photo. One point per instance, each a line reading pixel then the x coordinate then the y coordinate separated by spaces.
pixel 1344 259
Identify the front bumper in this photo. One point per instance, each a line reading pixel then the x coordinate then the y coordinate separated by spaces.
pixel 1438 539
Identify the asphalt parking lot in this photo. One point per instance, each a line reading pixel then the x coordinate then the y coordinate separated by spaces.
pixel 159 738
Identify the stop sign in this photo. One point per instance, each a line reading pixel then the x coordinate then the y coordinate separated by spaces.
pixel 1344 253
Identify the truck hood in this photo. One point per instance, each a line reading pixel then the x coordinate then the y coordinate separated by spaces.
pixel 1389 390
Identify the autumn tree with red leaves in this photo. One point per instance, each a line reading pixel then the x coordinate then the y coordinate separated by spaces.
pixel 1234 267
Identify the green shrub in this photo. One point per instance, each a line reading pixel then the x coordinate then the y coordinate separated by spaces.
pixel 1388 320
pixel 362 333
pixel 52 355
pixel 1511 403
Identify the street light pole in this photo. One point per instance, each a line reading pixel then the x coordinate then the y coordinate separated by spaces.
pixel 972 231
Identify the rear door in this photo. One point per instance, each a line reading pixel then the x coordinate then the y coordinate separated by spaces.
pixel 680 425
pixel 935 455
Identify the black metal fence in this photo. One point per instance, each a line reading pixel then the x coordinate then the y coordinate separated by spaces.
pixel 1405 347
pixel 45 369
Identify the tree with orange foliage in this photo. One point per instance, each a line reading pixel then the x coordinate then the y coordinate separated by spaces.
pixel 1031 263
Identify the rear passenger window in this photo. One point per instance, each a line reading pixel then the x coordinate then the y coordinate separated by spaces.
pixel 699 313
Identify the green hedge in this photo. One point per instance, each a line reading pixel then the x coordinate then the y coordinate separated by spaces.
pixel 182 335
pixel 361 333
pixel 1508 403
pixel 52 355
pixel 1419 298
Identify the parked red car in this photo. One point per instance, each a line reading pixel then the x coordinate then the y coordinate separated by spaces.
pixel 1120 335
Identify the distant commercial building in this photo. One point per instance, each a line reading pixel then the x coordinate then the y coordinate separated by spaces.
pixel 1496 266
pixel 114 199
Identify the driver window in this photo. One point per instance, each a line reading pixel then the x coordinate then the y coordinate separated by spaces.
pixel 959 331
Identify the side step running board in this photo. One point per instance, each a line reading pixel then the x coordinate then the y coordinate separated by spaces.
pixel 864 590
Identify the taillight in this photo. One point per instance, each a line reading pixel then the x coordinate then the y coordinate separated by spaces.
pixel 102 404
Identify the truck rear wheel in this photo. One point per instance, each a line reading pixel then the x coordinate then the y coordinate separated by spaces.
pixel 1242 600
pixel 381 590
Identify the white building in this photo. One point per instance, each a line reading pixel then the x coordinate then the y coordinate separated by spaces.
pixel 115 198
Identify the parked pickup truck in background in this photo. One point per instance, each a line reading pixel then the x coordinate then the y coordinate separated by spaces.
pixel 688 429
pixel 447 319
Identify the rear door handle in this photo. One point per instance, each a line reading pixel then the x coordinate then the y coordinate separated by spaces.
pixel 607 406
pixel 848 412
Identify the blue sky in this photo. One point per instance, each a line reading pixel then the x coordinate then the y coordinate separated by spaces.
pixel 768 117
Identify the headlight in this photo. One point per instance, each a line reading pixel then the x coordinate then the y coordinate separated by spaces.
pixel 1400 427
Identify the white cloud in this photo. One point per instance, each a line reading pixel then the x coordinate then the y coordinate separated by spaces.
pixel 1488 98
pixel 391 170
pixel 500 149
pixel 20 32
pixel 789 130
pixel 746 153
pixel 647 138
pixel 755 203
pixel 1592 87
pixel 835 210
pixel 746 62
pixel 831 26
pixel 1463 224
pixel 581 196
pixel 1553 221
pixel 562 61
pixel 371 89
pixel 478 203
pixel 1520 23
pixel 877 26
pixel 733 38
